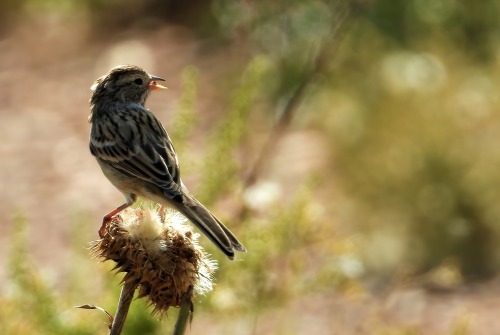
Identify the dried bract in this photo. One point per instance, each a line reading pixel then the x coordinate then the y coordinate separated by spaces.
pixel 162 257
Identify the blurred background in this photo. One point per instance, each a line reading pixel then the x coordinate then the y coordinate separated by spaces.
pixel 351 145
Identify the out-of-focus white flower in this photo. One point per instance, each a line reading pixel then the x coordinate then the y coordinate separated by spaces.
pixel 262 195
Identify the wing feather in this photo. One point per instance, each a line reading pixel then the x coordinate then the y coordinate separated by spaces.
pixel 136 144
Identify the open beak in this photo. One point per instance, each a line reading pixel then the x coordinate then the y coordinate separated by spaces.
pixel 153 85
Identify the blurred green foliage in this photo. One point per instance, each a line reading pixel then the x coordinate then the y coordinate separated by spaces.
pixel 402 101
pixel 404 92
pixel 412 122
pixel 32 307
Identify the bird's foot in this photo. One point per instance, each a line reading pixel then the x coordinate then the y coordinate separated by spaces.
pixel 104 227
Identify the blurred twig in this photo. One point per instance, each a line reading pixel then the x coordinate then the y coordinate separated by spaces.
pixel 87 306
pixel 323 57
pixel 185 117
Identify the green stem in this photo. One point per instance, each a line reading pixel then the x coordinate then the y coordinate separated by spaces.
pixel 185 314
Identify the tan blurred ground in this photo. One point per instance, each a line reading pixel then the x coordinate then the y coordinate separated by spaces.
pixel 472 310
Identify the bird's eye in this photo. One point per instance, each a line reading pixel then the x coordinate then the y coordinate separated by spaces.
pixel 138 81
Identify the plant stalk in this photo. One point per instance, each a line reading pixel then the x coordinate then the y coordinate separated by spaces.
pixel 185 314
pixel 126 296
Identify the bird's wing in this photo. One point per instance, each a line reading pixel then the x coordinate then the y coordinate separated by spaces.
pixel 137 145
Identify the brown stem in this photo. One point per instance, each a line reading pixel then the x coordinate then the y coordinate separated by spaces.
pixel 322 59
pixel 126 296
pixel 276 133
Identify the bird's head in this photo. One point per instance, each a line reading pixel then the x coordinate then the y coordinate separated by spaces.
pixel 124 84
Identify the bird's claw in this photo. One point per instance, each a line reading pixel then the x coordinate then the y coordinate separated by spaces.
pixel 104 227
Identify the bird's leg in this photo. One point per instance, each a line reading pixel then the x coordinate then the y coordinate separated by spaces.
pixel 106 220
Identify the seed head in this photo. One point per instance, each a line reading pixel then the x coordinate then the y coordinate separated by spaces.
pixel 162 256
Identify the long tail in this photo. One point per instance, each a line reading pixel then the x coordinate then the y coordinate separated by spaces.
pixel 215 230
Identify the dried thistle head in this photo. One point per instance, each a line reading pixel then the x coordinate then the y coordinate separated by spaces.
pixel 161 256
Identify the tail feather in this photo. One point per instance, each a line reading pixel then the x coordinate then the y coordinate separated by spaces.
pixel 209 225
pixel 234 241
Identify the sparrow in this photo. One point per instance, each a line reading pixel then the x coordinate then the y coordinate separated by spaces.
pixel 136 154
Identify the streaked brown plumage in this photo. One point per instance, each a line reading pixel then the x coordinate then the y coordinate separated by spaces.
pixel 136 155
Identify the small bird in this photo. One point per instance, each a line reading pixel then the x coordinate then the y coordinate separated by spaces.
pixel 136 154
